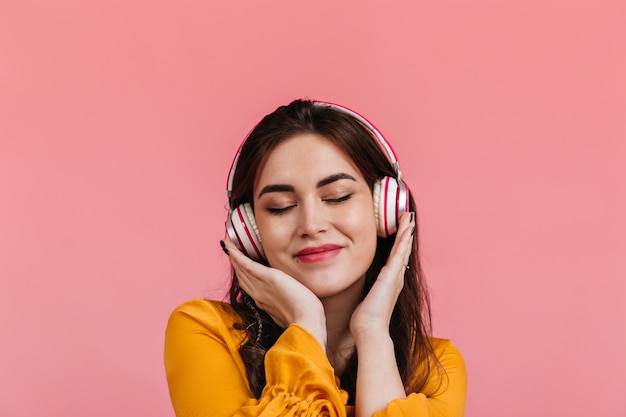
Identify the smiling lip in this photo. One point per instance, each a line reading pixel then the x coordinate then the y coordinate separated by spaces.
pixel 318 253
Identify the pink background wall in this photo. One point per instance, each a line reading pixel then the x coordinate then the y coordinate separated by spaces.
pixel 118 122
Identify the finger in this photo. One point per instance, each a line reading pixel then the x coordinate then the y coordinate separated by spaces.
pixel 401 251
pixel 248 271
pixel 391 278
pixel 407 238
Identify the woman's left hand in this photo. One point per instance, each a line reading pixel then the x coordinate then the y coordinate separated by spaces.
pixel 373 315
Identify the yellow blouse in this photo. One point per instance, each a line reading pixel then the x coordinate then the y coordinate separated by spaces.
pixel 207 377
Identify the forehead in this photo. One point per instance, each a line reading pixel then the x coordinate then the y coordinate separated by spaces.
pixel 304 156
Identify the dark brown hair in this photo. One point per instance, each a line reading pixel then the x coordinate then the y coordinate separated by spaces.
pixel 410 326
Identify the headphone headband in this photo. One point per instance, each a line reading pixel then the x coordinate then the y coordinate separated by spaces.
pixel 380 139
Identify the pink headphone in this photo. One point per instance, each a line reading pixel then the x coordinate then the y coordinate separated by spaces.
pixel 391 198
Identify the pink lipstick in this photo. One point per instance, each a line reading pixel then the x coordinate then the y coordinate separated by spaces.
pixel 318 253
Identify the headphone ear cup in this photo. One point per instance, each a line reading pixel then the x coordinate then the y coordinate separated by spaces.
pixel 243 232
pixel 391 199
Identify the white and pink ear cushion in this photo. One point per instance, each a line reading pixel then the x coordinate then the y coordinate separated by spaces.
pixel 242 230
pixel 391 199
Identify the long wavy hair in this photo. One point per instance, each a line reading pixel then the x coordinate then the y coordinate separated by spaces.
pixel 410 326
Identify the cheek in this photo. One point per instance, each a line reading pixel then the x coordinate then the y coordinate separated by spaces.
pixel 361 225
pixel 274 234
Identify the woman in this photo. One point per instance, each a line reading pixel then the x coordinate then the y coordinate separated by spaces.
pixel 329 313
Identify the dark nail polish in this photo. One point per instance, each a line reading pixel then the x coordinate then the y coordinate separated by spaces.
pixel 412 230
pixel 412 216
pixel 224 247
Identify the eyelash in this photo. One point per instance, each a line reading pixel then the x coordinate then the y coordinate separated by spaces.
pixel 339 200
pixel 282 210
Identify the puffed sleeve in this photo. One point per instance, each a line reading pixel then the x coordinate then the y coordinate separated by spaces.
pixel 300 380
pixel 443 396
pixel 206 375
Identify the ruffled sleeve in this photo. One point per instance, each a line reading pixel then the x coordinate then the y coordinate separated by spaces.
pixel 300 380
pixel 206 375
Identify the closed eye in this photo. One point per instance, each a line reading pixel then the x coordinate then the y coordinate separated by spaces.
pixel 338 200
pixel 279 210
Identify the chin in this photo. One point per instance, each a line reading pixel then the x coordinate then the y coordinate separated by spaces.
pixel 326 286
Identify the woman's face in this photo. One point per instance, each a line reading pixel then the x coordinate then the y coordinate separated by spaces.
pixel 315 215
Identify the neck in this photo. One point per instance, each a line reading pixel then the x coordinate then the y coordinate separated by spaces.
pixel 338 310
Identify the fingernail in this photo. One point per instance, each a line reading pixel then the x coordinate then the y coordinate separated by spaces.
pixel 412 230
pixel 224 247
pixel 412 216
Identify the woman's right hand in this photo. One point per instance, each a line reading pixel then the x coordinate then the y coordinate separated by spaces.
pixel 285 299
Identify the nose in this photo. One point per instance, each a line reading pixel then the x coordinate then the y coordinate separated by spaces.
pixel 312 219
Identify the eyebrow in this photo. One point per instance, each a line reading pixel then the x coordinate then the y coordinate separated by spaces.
pixel 281 188
pixel 336 177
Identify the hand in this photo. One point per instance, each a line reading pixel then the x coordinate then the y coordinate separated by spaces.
pixel 373 315
pixel 285 299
